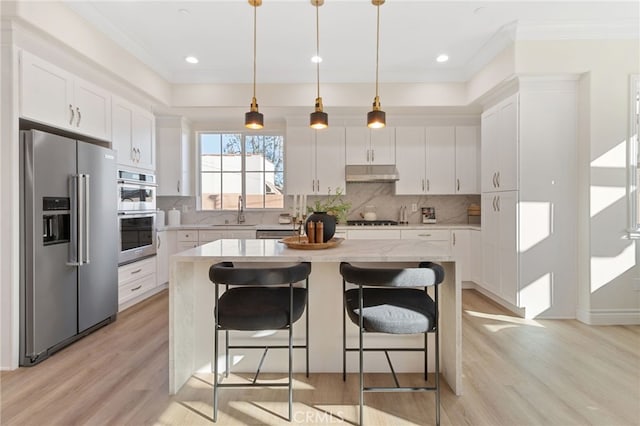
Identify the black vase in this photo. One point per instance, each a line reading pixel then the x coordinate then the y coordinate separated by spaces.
pixel 328 223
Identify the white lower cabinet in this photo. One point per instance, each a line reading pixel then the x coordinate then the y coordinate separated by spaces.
pixel 373 234
pixel 187 240
pixel 499 248
pixel 440 238
pixel 475 254
pixel 461 251
pixel 134 280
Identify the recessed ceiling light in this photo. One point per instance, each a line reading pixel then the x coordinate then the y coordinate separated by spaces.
pixel 442 58
pixel 184 11
pixel 191 59
pixel 316 59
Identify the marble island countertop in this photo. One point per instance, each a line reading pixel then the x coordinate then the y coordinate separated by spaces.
pixel 249 227
pixel 353 250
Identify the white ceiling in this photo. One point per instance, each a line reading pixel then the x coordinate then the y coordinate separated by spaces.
pixel 412 34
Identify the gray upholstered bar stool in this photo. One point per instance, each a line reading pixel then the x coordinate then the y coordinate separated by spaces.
pixel 391 302
pixel 259 299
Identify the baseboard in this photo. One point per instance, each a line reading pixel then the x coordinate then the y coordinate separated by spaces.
pixel 497 299
pixel 609 316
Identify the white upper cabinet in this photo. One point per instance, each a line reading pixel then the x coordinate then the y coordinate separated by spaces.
pixel 133 135
pixel 315 160
pixel 370 146
pixel 441 160
pixel 426 160
pixel 410 160
pixel 173 142
pixel 500 146
pixel 467 144
pixel 53 96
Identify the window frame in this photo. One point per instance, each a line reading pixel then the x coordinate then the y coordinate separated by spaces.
pixel 633 158
pixel 243 169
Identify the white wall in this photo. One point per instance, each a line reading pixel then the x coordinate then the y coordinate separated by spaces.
pixel 613 260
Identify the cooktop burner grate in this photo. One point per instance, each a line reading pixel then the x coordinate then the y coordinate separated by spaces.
pixel 372 222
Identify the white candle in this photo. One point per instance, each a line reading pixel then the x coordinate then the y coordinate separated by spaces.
pixel 305 204
pixel 295 202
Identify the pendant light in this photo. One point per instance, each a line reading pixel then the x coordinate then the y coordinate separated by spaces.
pixel 254 119
pixel 376 118
pixel 318 119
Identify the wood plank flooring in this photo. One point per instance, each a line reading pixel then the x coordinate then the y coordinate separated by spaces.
pixel 516 372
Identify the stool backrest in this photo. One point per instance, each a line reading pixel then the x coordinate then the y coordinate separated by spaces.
pixel 226 273
pixel 425 275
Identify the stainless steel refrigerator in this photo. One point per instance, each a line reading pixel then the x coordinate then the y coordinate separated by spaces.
pixel 68 247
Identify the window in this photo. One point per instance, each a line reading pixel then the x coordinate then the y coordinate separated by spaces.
pixel 238 164
pixel 634 158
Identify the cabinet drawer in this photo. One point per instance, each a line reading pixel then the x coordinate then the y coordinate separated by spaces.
pixel 186 245
pixel 208 236
pixel 373 234
pixel 426 234
pixel 136 270
pixel 136 288
pixel 187 235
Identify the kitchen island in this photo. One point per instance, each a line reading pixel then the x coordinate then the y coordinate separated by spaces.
pixel 191 301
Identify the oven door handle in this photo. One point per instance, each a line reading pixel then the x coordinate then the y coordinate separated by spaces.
pixel 136 183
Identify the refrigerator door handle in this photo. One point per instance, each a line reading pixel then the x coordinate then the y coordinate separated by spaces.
pixel 74 240
pixel 87 215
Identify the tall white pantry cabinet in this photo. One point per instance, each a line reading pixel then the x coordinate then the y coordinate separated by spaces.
pixel 529 196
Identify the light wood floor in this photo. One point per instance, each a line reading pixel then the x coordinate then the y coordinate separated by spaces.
pixel 516 372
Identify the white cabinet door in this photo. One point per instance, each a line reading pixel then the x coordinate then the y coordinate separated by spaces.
pixel 441 160
pixel 173 137
pixel 299 176
pixel 330 160
pixel 144 138
pixel 121 126
pixel 162 257
pixel 507 247
pixel 370 146
pixel 467 138
pixel 490 238
pixel 383 145
pixel 53 96
pixel 410 160
pixel 461 251
pixel 507 177
pixel 489 150
pixel 358 145
pixel 475 254
pixel 133 135
pixel 93 109
pixel 46 92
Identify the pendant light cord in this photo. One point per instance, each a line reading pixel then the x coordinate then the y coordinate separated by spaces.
pixel 317 49
pixel 255 9
pixel 377 45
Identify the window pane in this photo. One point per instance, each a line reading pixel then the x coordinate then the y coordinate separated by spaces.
pixel 231 152
pixel 211 194
pixel 274 198
pixel 231 190
pixel 255 188
pixel 210 149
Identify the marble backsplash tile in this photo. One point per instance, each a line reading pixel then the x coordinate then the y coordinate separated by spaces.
pixel 450 209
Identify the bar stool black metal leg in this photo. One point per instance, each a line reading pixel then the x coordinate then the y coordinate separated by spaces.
pixel 360 315
pixel 226 353
pixel 344 336
pixel 215 360
pixel 307 326
pixel 290 352
pixel 426 356
pixel 437 354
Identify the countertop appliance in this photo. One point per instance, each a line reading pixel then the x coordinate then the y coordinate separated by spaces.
pixel 69 255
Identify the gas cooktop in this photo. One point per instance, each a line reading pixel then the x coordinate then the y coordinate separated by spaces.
pixel 372 222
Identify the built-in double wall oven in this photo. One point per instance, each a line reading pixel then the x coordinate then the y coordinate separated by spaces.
pixel 136 215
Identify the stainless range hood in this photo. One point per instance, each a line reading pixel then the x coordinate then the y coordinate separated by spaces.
pixel 371 173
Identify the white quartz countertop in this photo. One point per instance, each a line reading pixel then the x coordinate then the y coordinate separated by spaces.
pixel 241 250
pixel 338 227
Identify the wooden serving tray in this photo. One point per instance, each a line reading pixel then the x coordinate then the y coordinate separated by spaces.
pixel 301 243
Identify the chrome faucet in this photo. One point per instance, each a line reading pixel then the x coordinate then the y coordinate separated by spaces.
pixel 240 211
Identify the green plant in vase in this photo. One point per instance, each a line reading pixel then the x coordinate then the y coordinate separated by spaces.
pixel 334 205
